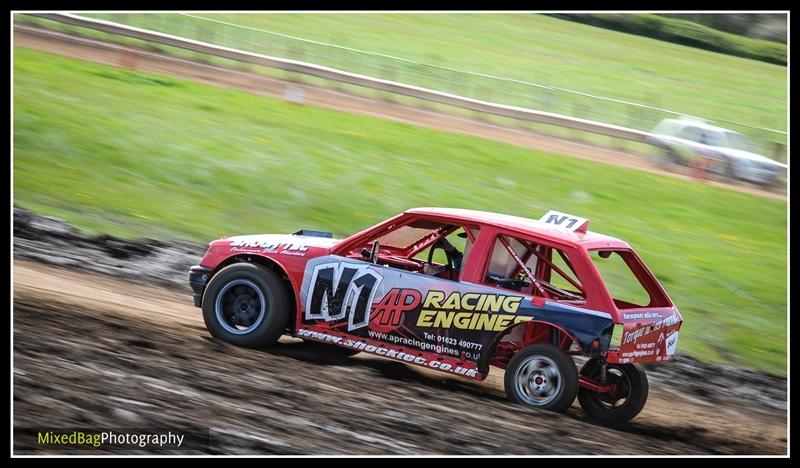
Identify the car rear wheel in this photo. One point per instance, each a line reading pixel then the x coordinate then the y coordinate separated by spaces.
pixel 247 305
pixel 543 376
pixel 666 158
pixel 730 170
pixel 625 402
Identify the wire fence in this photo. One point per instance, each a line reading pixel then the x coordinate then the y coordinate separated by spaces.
pixel 543 94
pixel 540 95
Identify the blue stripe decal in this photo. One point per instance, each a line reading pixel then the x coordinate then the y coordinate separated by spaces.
pixel 584 325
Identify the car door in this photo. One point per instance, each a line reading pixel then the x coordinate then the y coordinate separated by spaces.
pixel 418 311
pixel 350 301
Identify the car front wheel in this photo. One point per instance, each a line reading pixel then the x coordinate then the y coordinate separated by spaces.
pixel 247 305
pixel 730 169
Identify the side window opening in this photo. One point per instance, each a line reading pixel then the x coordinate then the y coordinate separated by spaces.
pixel 502 263
pixel 691 134
pixel 459 243
pixel 469 241
pixel 628 290
pixel 565 279
pixel 533 269
pixel 715 138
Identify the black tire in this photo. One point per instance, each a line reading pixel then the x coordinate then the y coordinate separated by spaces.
pixel 626 403
pixel 239 291
pixel 771 184
pixel 666 158
pixel 717 170
pixel 730 173
pixel 558 370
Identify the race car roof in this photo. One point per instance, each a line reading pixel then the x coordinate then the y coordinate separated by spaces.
pixel 586 239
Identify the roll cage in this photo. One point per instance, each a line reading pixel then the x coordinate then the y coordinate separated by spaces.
pixel 540 279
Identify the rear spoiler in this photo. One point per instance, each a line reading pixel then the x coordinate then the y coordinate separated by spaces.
pixel 310 233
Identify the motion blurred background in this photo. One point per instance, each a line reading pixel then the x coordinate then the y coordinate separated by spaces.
pixel 137 138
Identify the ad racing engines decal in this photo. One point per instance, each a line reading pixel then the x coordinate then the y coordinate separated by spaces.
pixel 408 309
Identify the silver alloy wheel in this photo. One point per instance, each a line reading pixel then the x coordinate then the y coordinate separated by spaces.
pixel 538 380
pixel 240 307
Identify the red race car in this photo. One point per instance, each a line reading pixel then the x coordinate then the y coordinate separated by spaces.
pixel 457 291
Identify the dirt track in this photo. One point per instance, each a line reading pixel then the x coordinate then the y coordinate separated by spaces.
pixel 114 351
pixel 91 351
pixel 121 56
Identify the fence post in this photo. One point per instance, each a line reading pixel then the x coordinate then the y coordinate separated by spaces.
pixel 294 93
pixel 779 152
pixel 465 84
pixel 295 53
pixel 700 167
pixel 128 57
pixel 341 61
pixel 204 36
pixel 387 73
pixel 579 110
pixel 635 115
pixel 547 99
pixel 483 93
pixel 652 116
pixel 547 93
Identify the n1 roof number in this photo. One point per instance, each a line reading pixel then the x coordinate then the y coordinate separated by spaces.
pixel 564 221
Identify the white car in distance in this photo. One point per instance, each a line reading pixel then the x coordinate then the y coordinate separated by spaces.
pixel 731 152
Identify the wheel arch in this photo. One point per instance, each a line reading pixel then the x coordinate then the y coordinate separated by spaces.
pixel 272 265
pixel 531 332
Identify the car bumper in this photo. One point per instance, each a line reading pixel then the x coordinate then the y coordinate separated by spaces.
pixel 198 279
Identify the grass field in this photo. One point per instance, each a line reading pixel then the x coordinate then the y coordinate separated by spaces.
pixel 135 154
pixel 526 47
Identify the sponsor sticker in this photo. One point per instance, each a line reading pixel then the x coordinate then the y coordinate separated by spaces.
pixel 672 343
pixel 418 311
pixel 341 291
pixel 268 246
pixel 637 333
pixel 641 315
pixel 390 353
pixel 564 221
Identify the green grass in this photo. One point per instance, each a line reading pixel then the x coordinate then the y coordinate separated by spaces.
pixel 136 154
pixel 527 47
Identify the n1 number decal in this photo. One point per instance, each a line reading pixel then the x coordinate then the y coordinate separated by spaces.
pixel 338 290
pixel 564 221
